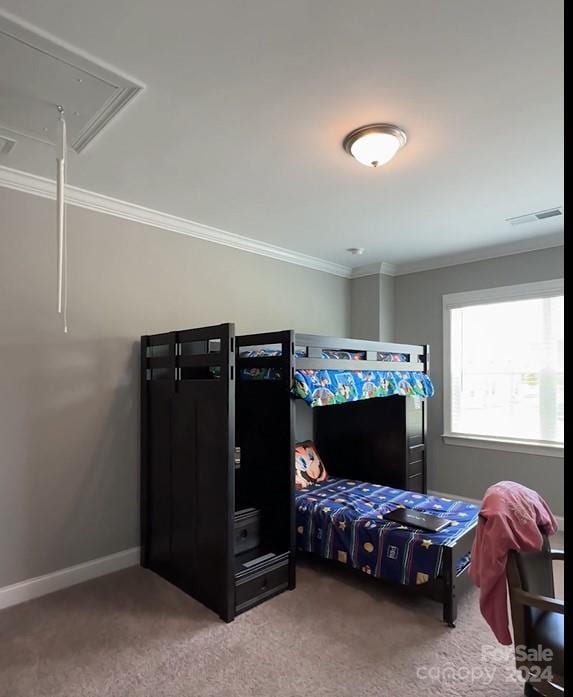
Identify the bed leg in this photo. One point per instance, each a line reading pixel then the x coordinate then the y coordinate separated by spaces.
pixel 451 612
pixel 292 575
pixel 450 599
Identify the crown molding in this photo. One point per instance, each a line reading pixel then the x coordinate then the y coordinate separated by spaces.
pixel 381 267
pixel 367 270
pixel 46 188
pixel 492 252
pixel 388 269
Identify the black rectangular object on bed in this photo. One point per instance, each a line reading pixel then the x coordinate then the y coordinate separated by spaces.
pixel 416 519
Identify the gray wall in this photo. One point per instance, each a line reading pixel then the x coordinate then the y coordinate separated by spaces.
pixel 386 308
pixel 372 307
pixel 69 404
pixel 456 469
pixel 364 320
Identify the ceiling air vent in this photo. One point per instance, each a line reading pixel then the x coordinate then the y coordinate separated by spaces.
pixel 537 215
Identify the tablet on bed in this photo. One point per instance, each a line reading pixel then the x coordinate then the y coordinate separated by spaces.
pixel 415 519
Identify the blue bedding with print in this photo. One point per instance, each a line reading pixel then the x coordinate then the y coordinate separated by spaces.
pixel 342 519
pixel 323 387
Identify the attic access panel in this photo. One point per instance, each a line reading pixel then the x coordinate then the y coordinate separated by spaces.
pixel 38 73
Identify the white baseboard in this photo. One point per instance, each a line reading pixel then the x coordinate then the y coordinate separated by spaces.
pixel 42 585
pixel 560 519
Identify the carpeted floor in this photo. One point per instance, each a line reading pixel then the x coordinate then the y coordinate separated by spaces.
pixel 131 634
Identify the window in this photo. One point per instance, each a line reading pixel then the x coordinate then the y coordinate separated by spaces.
pixel 503 367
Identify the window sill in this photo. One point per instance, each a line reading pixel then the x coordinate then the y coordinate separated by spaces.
pixel 516 446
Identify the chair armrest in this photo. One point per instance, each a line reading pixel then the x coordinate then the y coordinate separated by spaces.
pixel 558 554
pixel 551 689
pixel 541 602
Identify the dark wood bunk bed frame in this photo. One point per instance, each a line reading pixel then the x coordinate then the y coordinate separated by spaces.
pixel 394 455
pixel 207 439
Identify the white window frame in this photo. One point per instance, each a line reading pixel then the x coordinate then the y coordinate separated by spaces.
pixel 523 291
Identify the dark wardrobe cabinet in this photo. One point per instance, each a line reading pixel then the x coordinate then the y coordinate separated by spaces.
pixel 217 458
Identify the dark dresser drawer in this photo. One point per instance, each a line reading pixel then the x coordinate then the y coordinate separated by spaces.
pixel 247 529
pixel 262 583
pixel 414 418
pixel 417 467
pixel 415 452
pixel 415 439
pixel 416 483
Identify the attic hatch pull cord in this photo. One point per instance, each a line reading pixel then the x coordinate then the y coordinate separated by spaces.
pixel 62 237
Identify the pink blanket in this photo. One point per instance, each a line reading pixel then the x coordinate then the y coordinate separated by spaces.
pixel 511 517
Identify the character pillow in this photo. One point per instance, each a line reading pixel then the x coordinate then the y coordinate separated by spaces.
pixel 309 468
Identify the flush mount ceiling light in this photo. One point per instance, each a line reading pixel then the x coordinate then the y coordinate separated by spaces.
pixel 375 145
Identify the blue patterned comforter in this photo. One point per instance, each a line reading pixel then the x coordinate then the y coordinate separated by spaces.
pixel 323 387
pixel 342 519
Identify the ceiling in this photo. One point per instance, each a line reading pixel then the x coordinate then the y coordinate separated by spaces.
pixel 246 104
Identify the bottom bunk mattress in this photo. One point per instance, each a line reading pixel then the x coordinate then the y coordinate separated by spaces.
pixel 343 520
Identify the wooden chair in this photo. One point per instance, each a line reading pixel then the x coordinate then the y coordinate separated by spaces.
pixel 538 619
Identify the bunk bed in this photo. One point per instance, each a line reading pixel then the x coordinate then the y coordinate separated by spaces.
pixel 369 422
pixel 220 419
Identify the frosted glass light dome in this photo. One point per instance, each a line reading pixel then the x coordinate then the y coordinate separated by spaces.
pixel 375 145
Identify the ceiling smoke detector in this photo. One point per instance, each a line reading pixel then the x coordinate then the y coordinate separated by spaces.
pixel 356 250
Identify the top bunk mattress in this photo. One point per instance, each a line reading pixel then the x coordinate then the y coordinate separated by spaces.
pixel 342 519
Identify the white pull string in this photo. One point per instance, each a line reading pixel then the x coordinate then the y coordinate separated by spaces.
pixel 65 279
pixel 62 244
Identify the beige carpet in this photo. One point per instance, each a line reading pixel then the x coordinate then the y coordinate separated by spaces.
pixel 131 634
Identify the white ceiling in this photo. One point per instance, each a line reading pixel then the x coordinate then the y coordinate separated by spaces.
pixel 246 104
